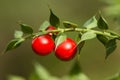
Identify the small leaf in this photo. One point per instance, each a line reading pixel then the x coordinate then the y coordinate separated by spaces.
pixel 114 77
pixel 76 73
pixel 88 35
pixel 44 25
pixel 79 43
pixel 54 78
pixel 60 38
pixel 10 45
pixel 102 23
pixel 18 34
pixel 14 44
pixel 68 24
pixel 80 46
pixel 102 39
pixel 110 44
pixel 110 47
pixel 33 76
pixel 54 20
pixel 41 72
pixel 12 77
pixel 76 69
pixel 91 23
pixel 26 29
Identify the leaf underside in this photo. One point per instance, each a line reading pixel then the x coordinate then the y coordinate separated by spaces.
pixel 110 44
pixel 102 23
pixel 91 23
pixel 54 20
pixel 26 29
pixel 14 44
pixel 60 38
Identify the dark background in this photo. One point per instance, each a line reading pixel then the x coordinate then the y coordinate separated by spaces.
pixel 34 12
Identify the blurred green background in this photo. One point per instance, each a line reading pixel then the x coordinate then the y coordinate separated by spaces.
pixel 34 12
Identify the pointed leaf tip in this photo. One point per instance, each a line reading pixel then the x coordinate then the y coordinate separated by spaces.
pixel 26 29
pixel 114 77
pixel 41 72
pixel 68 24
pixel 12 77
pixel 13 44
pixel 44 25
pixel 102 23
pixel 88 35
pixel 76 69
pixel 110 44
pixel 60 38
pixel 110 47
pixel 80 44
pixel 91 23
pixel 54 20
pixel 102 39
pixel 76 73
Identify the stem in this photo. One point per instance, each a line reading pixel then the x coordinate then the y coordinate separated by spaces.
pixel 82 30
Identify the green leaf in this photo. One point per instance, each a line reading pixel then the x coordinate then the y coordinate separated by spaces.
pixel 102 39
pixel 12 77
pixel 79 43
pixel 54 20
pixel 54 78
pixel 80 46
pixel 34 76
pixel 91 23
pixel 44 25
pixel 112 2
pixel 88 35
pixel 114 77
pixel 60 38
pixel 26 29
pixel 110 44
pixel 68 24
pixel 41 72
pixel 102 23
pixel 110 47
pixel 18 34
pixel 14 44
pixel 76 69
pixel 76 73
pixel 80 76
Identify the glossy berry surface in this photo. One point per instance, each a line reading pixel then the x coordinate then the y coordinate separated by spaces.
pixel 66 50
pixel 43 45
pixel 51 28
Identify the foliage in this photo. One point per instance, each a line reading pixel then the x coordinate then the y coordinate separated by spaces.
pixel 76 73
pixel 40 73
pixel 87 32
pixel 92 28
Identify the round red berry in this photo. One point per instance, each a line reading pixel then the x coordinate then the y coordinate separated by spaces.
pixel 51 28
pixel 66 50
pixel 43 45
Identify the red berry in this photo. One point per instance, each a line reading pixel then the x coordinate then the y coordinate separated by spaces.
pixel 43 45
pixel 66 50
pixel 51 28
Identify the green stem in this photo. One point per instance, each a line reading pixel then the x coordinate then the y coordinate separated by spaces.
pixel 82 30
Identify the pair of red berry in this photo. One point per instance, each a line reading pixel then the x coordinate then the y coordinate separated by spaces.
pixel 44 45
